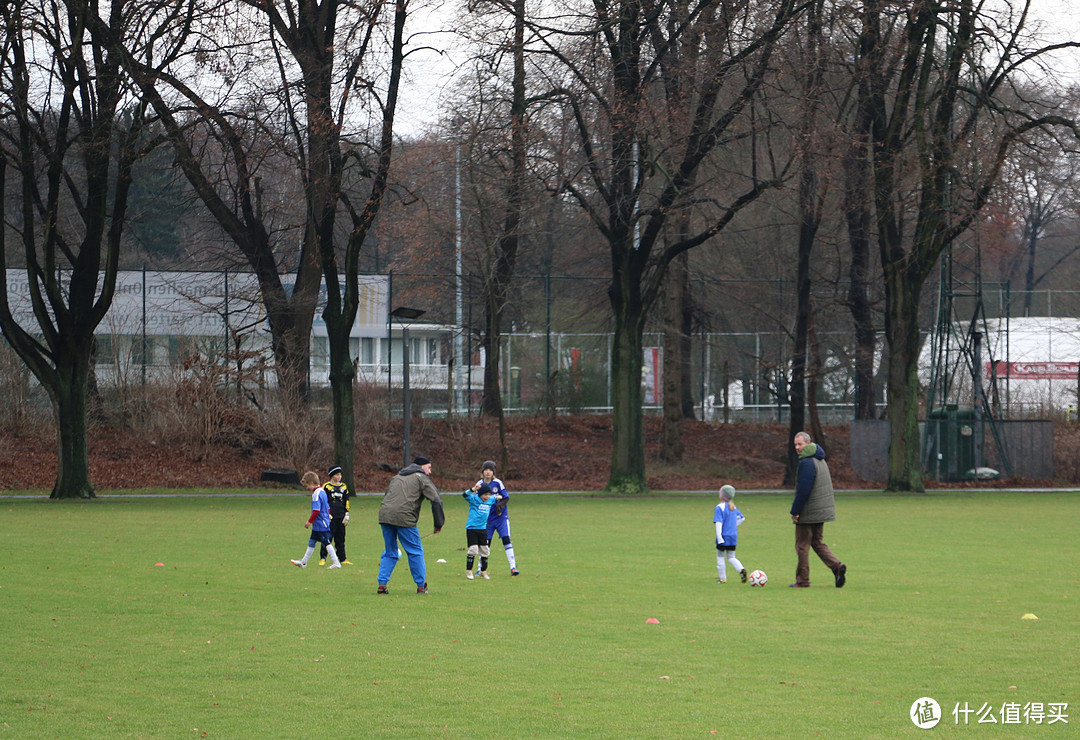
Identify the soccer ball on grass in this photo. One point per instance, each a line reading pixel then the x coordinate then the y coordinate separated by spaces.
pixel 758 578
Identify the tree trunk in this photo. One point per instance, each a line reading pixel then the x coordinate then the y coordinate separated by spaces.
pixel 498 285
pixel 491 403
pixel 857 213
pixel 627 432
pixel 902 334
pixel 1029 273
pixel 685 364
pixel 342 376
pixel 69 397
pixel 813 380
pixel 671 441
pixel 809 204
pixel 291 349
pixel 797 387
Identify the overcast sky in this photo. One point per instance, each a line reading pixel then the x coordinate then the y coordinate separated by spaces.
pixel 430 73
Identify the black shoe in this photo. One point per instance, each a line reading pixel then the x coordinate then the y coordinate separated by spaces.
pixel 383 589
pixel 841 575
pixel 742 575
pixel 422 589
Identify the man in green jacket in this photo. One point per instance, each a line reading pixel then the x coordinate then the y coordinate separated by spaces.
pixel 398 516
pixel 813 506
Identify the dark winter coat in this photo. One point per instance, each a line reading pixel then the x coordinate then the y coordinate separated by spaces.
pixel 814 502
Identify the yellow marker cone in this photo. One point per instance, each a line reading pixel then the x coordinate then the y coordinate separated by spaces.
pixel 1029 615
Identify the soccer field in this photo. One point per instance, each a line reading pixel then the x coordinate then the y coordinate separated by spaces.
pixel 182 617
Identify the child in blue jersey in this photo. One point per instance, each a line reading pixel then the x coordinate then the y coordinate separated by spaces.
pixel 481 501
pixel 727 519
pixel 499 516
pixel 319 521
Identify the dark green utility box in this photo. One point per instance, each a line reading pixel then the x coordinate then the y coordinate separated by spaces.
pixel 951 433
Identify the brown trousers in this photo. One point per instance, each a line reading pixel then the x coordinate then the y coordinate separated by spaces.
pixel 810 537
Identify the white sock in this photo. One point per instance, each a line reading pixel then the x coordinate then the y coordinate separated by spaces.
pixel 510 556
pixel 734 560
pixel 307 555
pixel 721 568
pixel 333 555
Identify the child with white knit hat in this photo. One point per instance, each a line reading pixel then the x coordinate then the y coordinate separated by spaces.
pixel 727 520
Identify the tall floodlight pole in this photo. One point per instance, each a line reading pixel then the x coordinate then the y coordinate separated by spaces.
pixel 459 355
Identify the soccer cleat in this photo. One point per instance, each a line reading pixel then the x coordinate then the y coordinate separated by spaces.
pixel 798 585
pixel 742 575
pixel 514 571
pixel 383 589
pixel 841 575
pixel 469 575
pixel 485 575
pixel 335 565
pixel 346 561
pixel 299 563
pixel 322 561
pixel 721 580
pixel 422 589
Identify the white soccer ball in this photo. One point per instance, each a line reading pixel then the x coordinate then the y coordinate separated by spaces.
pixel 758 578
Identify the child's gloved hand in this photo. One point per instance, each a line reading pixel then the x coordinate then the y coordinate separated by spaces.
pixel 345 520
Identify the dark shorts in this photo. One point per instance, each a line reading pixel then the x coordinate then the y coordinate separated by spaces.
pixel 323 537
pixel 725 548
pixel 500 525
pixel 476 537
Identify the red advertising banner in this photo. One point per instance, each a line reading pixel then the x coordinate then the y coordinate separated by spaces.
pixel 1035 370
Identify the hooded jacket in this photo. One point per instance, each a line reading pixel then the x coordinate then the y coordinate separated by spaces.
pixel 404 495
pixel 814 502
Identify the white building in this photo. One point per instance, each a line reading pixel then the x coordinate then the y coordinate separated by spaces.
pixel 158 319
pixel 1035 360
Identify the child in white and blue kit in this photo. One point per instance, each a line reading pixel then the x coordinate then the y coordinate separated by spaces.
pixel 727 520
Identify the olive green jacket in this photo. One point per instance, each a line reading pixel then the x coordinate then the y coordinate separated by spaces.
pixel 404 495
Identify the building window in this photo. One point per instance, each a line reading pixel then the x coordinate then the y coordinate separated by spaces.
pixel 320 352
pixel 105 351
pixel 142 350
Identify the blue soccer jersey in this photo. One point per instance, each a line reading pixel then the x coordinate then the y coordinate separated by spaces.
pixel 320 504
pixel 478 510
pixel 498 512
pixel 729 521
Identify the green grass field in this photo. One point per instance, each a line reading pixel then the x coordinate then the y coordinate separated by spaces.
pixel 226 639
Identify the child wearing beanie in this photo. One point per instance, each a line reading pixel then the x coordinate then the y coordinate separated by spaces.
pixel 727 520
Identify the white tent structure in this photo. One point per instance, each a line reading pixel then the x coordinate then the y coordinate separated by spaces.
pixel 1033 361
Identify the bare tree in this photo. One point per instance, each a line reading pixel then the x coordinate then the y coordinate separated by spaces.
pixel 328 157
pixel 224 125
pixel 933 78
pixel 506 246
pixel 73 126
pixel 1041 186
pixel 635 174
pixel 338 66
